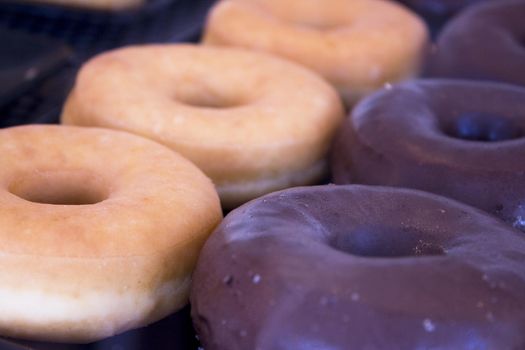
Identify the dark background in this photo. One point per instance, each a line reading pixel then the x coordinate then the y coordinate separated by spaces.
pixel 42 48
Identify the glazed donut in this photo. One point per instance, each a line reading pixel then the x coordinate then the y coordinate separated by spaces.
pixel 251 122
pixel 356 267
pixel 438 12
pixel 357 45
pixel 486 42
pixel 459 139
pixel 100 231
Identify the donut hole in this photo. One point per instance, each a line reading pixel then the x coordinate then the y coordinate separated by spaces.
pixel 474 126
pixel 60 188
pixel 316 24
pixel 520 41
pixel 206 99
pixel 386 242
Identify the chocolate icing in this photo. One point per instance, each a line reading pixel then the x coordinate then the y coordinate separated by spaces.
pixel 486 42
pixel 439 11
pixel 407 136
pixel 358 267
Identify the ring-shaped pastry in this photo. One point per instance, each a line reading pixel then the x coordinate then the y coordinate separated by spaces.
pixel 99 231
pixel 485 42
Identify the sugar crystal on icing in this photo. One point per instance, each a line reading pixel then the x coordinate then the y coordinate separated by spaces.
pixel 429 325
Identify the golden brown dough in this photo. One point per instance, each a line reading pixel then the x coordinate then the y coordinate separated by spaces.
pixel 99 231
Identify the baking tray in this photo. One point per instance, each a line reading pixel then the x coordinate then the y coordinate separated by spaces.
pixel 174 333
pixel 88 34
pixel 54 11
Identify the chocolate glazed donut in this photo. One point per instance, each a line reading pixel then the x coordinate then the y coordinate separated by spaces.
pixel 358 267
pixel 463 140
pixel 486 42
pixel 437 12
